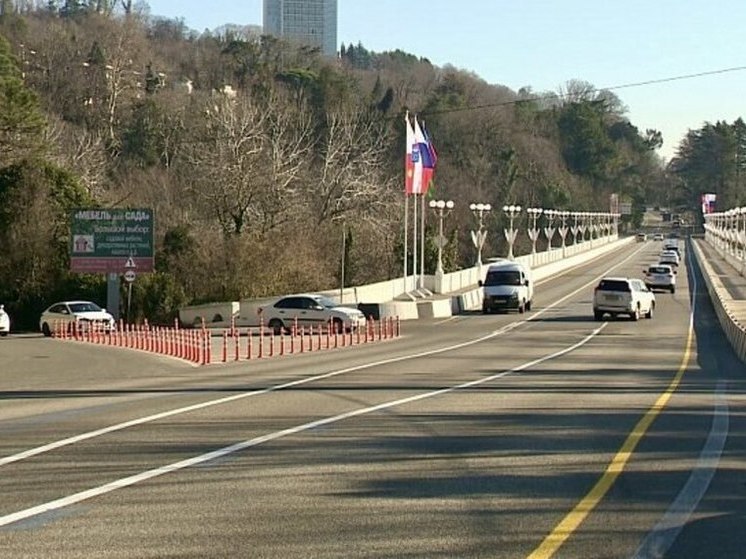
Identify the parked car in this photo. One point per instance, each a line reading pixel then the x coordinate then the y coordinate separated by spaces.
pixel 661 276
pixel 4 321
pixel 84 313
pixel 617 295
pixel 310 310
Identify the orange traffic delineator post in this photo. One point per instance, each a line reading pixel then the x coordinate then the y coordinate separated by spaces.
pixel 249 337
pixel 225 346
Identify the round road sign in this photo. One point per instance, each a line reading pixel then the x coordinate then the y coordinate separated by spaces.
pixel 129 276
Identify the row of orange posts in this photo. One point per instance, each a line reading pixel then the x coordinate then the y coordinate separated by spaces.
pixel 236 344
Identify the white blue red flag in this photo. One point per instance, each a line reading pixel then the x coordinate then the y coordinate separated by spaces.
pixel 428 156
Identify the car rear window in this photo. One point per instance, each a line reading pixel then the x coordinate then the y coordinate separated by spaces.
pixel 659 270
pixel 613 285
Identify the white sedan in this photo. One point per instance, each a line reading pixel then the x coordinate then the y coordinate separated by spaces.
pixel 310 310
pixel 4 322
pixel 83 313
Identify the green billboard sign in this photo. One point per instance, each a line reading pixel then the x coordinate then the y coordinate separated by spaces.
pixel 111 240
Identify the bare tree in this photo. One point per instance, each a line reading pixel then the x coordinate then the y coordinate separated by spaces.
pixel 350 169
pixel 248 161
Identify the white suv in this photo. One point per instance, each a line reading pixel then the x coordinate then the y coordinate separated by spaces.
pixel 623 296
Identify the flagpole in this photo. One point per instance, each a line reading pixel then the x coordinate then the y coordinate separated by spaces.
pixel 406 237
pixel 414 243
pixel 422 241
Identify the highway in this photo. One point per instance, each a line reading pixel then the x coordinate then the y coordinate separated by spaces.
pixel 537 435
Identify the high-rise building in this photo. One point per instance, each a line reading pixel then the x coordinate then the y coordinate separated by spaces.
pixel 309 22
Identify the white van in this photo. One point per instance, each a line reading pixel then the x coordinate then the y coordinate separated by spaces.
pixel 508 285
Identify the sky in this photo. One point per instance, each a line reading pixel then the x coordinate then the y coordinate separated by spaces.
pixel 544 44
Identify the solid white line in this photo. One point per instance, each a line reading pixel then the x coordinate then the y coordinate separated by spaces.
pixel 195 407
pixel 219 453
pixel 661 538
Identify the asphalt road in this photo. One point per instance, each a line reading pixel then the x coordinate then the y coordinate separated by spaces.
pixel 536 435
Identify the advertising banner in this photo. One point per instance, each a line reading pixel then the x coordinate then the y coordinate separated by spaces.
pixel 111 241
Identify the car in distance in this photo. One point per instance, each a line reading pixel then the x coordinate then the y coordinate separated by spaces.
pixel 669 257
pixel 4 322
pixel 661 276
pixel 641 237
pixel 618 295
pixel 310 310
pixel 85 314
pixel 658 237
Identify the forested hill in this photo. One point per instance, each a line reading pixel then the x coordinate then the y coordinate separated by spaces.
pixel 258 156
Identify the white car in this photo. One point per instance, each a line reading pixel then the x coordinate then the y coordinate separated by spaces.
pixel 309 310
pixel 669 257
pixel 661 276
pixel 617 296
pixel 84 313
pixel 4 322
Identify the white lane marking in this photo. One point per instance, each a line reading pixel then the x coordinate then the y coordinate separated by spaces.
pixel 195 407
pixel 237 447
pixel 661 538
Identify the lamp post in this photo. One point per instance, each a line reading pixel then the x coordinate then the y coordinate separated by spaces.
pixel 550 228
pixel 478 237
pixel 575 229
pixel 510 234
pixel 442 208
pixel 563 215
pixel 533 232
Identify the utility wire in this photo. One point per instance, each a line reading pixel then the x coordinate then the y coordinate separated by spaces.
pixel 554 96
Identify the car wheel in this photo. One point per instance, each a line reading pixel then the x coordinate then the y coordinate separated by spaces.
pixel 673 290
pixel 528 305
pixel 636 314
pixel 522 307
pixel 651 310
pixel 46 330
pixel 3 334
pixel 337 326
pixel 276 325
pixel 597 315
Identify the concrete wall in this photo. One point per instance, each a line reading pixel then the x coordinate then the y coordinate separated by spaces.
pixel 731 313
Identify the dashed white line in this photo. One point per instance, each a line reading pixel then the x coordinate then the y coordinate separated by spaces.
pixel 216 454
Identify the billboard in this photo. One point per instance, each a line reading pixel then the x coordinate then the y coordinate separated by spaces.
pixel 111 240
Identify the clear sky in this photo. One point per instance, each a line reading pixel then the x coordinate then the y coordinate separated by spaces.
pixel 545 43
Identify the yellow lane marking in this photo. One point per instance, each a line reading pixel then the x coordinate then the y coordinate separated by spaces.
pixel 560 534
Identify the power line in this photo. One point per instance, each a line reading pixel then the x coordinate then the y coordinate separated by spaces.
pixel 554 96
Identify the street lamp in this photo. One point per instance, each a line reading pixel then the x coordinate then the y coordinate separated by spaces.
pixel 478 237
pixel 550 228
pixel 563 215
pixel 510 234
pixel 533 232
pixel 442 208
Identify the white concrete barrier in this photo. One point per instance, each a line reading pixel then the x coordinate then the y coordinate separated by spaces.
pixel 215 315
pixel 731 313
pixel 459 289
